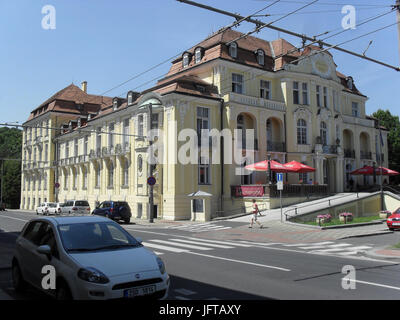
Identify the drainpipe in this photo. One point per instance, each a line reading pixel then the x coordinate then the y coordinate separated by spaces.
pixel 222 155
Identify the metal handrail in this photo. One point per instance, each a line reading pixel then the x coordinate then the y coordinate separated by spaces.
pixel 323 201
pixel 393 189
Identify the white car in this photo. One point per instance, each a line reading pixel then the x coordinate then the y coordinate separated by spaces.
pixel 57 209
pixel 94 258
pixel 76 207
pixel 44 208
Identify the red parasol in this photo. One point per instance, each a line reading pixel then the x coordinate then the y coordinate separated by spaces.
pixel 369 171
pixel 298 167
pixel 263 166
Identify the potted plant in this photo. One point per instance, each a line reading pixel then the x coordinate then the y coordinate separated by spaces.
pixel 323 218
pixel 383 214
pixel 345 217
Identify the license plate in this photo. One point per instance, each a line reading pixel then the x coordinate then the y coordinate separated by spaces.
pixel 396 224
pixel 139 291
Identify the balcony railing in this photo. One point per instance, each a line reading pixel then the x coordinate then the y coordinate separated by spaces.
pixel 83 158
pixel 276 146
pixel 289 190
pixel 365 155
pixel 329 149
pixel 257 102
pixel 349 153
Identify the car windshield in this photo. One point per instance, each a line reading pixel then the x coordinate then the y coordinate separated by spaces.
pixel 81 204
pixel 94 236
pixel 52 205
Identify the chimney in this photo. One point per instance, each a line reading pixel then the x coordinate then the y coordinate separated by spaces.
pixel 84 86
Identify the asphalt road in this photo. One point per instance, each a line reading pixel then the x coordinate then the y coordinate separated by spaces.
pixel 202 268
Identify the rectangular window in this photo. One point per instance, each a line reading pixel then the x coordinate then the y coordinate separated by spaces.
pixel 237 83
pixel 265 89
pixel 85 145
pixel 326 97
pixel 354 109
pixel 126 132
pixel 202 121
pixel 140 126
pixel 75 147
pixel 67 150
pixel 154 121
pixel 84 179
pixel 126 174
pixel 204 172
pixel 111 135
pixel 98 176
pixel 98 138
pixel 304 87
pixel 318 89
pixel 335 100
pixel 296 97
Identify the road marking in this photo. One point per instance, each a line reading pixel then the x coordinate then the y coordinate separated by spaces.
pixel 309 244
pixel 190 246
pixel 332 246
pixel 374 284
pixel 205 244
pixel 2 216
pixel 210 229
pixel 187 225
pixel 221 242
pixel 240 261
pixel 347 253
pixel 260 243
pixel 185 292
pixel 160 247
pixel 158 253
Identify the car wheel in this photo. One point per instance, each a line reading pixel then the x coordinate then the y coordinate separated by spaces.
pixel 17 279
pixel 127 220
pixel 63 292
pixel 391 229
pixel 37 212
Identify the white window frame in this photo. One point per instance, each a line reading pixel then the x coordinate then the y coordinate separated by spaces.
pixel 318 95
pixel 237 83
pixel 198 55
pixel 304 92
pixel 355 109
pixel 260 57
pixel 185 60
pixel 301 132
pixel 265 89
pixel 207 168
pixel 233 49
pixel 296 92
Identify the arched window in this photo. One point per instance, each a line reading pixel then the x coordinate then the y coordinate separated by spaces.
pixel 323 132
pixel 233 50
pixel 301 131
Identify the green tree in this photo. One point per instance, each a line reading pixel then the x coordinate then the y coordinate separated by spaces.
pixel 10 148
pixel 391 123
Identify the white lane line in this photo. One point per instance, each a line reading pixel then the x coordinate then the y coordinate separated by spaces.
pixel 296 245
pixel 375 284
pixel 204 244
pixel 261 243
pixel 239 261
pixel 190 246
pixel 188 225
pixel 313 244
pixel 160 247
pixel 347 253
pixel 210 229
pixel 332 246
pixel 185 292
pixel 221 242
pixel 2 216
pixel 352 248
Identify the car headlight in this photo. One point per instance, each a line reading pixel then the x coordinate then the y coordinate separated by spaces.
pixel 389 219
pixel 92 275
pixel 161 265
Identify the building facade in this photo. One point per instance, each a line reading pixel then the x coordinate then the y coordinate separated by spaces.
pixel 295 101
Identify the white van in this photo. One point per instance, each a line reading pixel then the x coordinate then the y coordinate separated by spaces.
pixel 76 207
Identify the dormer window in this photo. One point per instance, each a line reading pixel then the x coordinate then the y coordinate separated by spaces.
pixel 198 54
pixel 115 104
pixel 130 98
pixel 260 57
pixel 233 50
pixel 186 59
pixel 350 83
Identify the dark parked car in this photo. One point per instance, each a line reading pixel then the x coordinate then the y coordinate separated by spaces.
pixel 115 210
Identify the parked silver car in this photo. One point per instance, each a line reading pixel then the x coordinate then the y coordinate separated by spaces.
pixel 57 209
pixel 44 208
pixel 76 207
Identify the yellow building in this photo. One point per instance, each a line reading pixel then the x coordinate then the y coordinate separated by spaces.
pixel 299 106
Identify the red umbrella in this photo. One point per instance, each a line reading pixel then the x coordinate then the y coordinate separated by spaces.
pixel 366 170
pixel 386 171
pixel 369 171
pixel 263 166
pixel 298 167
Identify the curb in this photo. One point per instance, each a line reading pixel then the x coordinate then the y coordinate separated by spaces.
pixel 372 254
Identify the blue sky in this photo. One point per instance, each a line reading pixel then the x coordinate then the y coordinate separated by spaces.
pixel 107 42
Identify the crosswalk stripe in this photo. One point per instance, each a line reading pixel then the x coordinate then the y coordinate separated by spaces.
pixel 180 244
pixel 309 244
pixel 222 242
pixel 331 246
pixel 204 244
pixel 348 253
pixel 261 243
pixel 187 225
pixel 160 247
pixel 211 229
pixel 204 227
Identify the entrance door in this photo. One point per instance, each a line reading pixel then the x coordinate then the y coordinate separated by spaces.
pixel 155 211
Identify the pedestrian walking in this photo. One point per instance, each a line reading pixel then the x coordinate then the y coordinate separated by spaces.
pixel 256 212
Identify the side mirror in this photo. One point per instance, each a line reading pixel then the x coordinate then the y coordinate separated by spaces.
pixel 45 249
pixel 139 240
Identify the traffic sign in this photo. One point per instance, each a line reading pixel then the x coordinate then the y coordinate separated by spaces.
pixel 151 181
pixel 279 185
pixel 279 177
